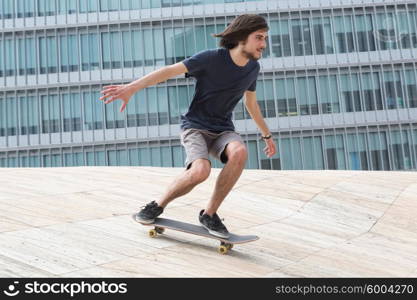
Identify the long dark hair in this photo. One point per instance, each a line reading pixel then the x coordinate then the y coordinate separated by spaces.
pixel 239 30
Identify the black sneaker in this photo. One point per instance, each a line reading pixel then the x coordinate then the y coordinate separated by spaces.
pixel 149 212
pixel 213 224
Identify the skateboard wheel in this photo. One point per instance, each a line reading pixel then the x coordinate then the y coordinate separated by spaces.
pixel 223 249
pixel 159 230
pixel 227 245
pixel 152 233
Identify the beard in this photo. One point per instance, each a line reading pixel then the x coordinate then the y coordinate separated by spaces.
pixel 250 55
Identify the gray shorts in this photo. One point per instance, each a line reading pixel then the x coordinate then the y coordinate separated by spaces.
pixel 199 143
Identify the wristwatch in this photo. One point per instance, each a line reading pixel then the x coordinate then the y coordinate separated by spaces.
pixel 267 137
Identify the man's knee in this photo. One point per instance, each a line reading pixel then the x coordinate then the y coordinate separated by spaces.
pixel 237 152
pixel 200 170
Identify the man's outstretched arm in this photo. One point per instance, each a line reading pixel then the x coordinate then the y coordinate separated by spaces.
pixel 125 91
pixel 158 76
pixel 255 112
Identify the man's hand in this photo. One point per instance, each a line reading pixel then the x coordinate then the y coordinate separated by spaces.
pixel 270 148
pixel 125 91
pixel 122 91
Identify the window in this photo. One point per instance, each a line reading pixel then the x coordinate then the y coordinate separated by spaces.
pixel 335 152
pixel 411 87
pixel 21 67
pixel 132 112
pixel 357 154
pixel 50 112
pixel 127 49
pixel 142 108
pixel 116 51
pixel 351 93
pixel 252 162
pixel 189 41
pixel 265 95
pixel 405 31
pixel 280 38
pixel 105 46
pixel 145 156
pixel 29 8
pixel 8 9
pixel 46 8
pixel 68 53
pixel 378 151
pixel 48 54
pixel 87 6
pixel 29 115
pixel 400 148
pixel 71 105
pixel 210 29
pixel 313 153
pixel 177 154
pixel 11 111
pixel 344 34
pixel 109 5
pixel 200 38
pixel 43 55
pixel 1 58
pixel 114 118
pixel 291 154
pixel 20 7
pixel 179 44
pixel 365 33
pixel 301 37
pixel 10 61
pixel 30 56
pixel 323 41
pixel 393 90
pixel 166 156
pixel 117 157
pixel 174 112
pixel 90 52
pixel 328 94
pixel 138 50
pixel 95 158
pixel 148 47
pixel 156 156
pixel 385 33
pixel 287 104
pixel 152 101
pixel 371 91
pixel 52 54
pixel 125 4
pixel 306 95
pixel 3 117
pixel 162 98
pixel 169 46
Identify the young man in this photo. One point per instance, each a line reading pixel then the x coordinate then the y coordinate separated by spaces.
pixel 223 76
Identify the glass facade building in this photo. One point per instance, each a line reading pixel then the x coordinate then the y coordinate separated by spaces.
pixel 337 87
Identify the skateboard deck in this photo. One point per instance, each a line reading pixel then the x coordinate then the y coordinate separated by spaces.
pixel 161 224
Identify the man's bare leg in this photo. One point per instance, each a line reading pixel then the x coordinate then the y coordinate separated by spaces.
pixel 186 181
pixel 237 155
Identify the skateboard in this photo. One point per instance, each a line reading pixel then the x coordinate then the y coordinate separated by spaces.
pixel 160 224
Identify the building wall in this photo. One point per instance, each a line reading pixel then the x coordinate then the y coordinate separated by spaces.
pixel 337 84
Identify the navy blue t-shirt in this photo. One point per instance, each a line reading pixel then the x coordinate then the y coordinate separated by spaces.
pixel 219 87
